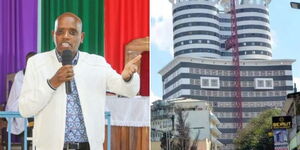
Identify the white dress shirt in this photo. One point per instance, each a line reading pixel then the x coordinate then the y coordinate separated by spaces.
pixel 17 125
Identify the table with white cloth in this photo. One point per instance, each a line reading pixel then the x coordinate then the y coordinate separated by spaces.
pixel 130 121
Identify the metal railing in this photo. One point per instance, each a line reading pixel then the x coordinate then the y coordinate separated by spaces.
pixel 10 115
pixel 108 118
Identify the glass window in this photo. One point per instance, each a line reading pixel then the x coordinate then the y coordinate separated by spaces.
pixel 205 82
pixel 260 83
pixel 214 82
pixel 269 83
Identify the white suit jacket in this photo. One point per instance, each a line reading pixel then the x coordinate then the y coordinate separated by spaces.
pixel 93 77
pixel 17 125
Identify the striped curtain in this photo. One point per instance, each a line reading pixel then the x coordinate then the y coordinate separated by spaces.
pixel 126 20
pixel 18 36
pixel 123 20
pixel 91 13
pixel 27 24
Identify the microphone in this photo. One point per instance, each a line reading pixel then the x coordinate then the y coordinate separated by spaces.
pixel 67 60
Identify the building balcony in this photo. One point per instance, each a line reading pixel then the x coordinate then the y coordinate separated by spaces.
pixel 214 118
pixel 216 141
pixel 161 116
pixel 215 131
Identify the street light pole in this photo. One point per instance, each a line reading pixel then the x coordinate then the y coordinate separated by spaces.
pixel 167 140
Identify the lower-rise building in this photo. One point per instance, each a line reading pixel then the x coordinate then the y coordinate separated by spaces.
pixel 292 108
pixel 197 114
pixel 264 85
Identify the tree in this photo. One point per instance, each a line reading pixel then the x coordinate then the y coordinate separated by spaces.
pixel 163 141
pixel 183 130
pixel 195 142
pixel 180 141
pixel 255 135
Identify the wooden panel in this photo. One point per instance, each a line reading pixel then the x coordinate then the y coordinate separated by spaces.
pixel 145 138
pixel 132 138
pixel 115 138
pixel 124 138
pixel 139 137
pixel 129 138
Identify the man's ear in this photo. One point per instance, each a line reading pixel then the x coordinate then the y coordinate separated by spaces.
pixel 82 37
pixel 52 32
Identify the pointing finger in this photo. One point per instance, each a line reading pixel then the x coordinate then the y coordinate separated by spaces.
pixel 136 59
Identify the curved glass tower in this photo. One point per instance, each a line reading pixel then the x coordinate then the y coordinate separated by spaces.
pixel 201 27
pixel 202 68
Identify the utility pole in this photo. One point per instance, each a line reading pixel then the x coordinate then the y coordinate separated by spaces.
pixel 167 139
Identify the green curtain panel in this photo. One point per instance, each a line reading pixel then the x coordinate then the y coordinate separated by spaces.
pixel 91 13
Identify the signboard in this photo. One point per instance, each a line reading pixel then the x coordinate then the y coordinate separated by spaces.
pixel 280 139
pixel 282 122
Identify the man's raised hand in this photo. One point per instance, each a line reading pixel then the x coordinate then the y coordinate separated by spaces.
pixel 130 68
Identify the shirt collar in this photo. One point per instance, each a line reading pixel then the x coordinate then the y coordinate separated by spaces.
pixel 74 61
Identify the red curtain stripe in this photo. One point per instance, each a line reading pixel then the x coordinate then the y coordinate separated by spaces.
pixel 125 21
pixel 145 78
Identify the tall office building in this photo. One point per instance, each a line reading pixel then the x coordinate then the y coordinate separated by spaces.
pixel 202 68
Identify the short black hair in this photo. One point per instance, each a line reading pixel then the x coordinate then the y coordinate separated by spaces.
pixel 30 54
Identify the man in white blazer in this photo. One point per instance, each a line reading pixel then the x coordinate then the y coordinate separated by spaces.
pixel 76 120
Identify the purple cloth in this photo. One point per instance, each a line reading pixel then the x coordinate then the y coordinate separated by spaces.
pixel 18 36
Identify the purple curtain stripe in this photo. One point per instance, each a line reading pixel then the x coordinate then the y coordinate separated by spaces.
pixel 18 36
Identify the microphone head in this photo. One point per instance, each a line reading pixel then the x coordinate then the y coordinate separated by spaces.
pixel 66 57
